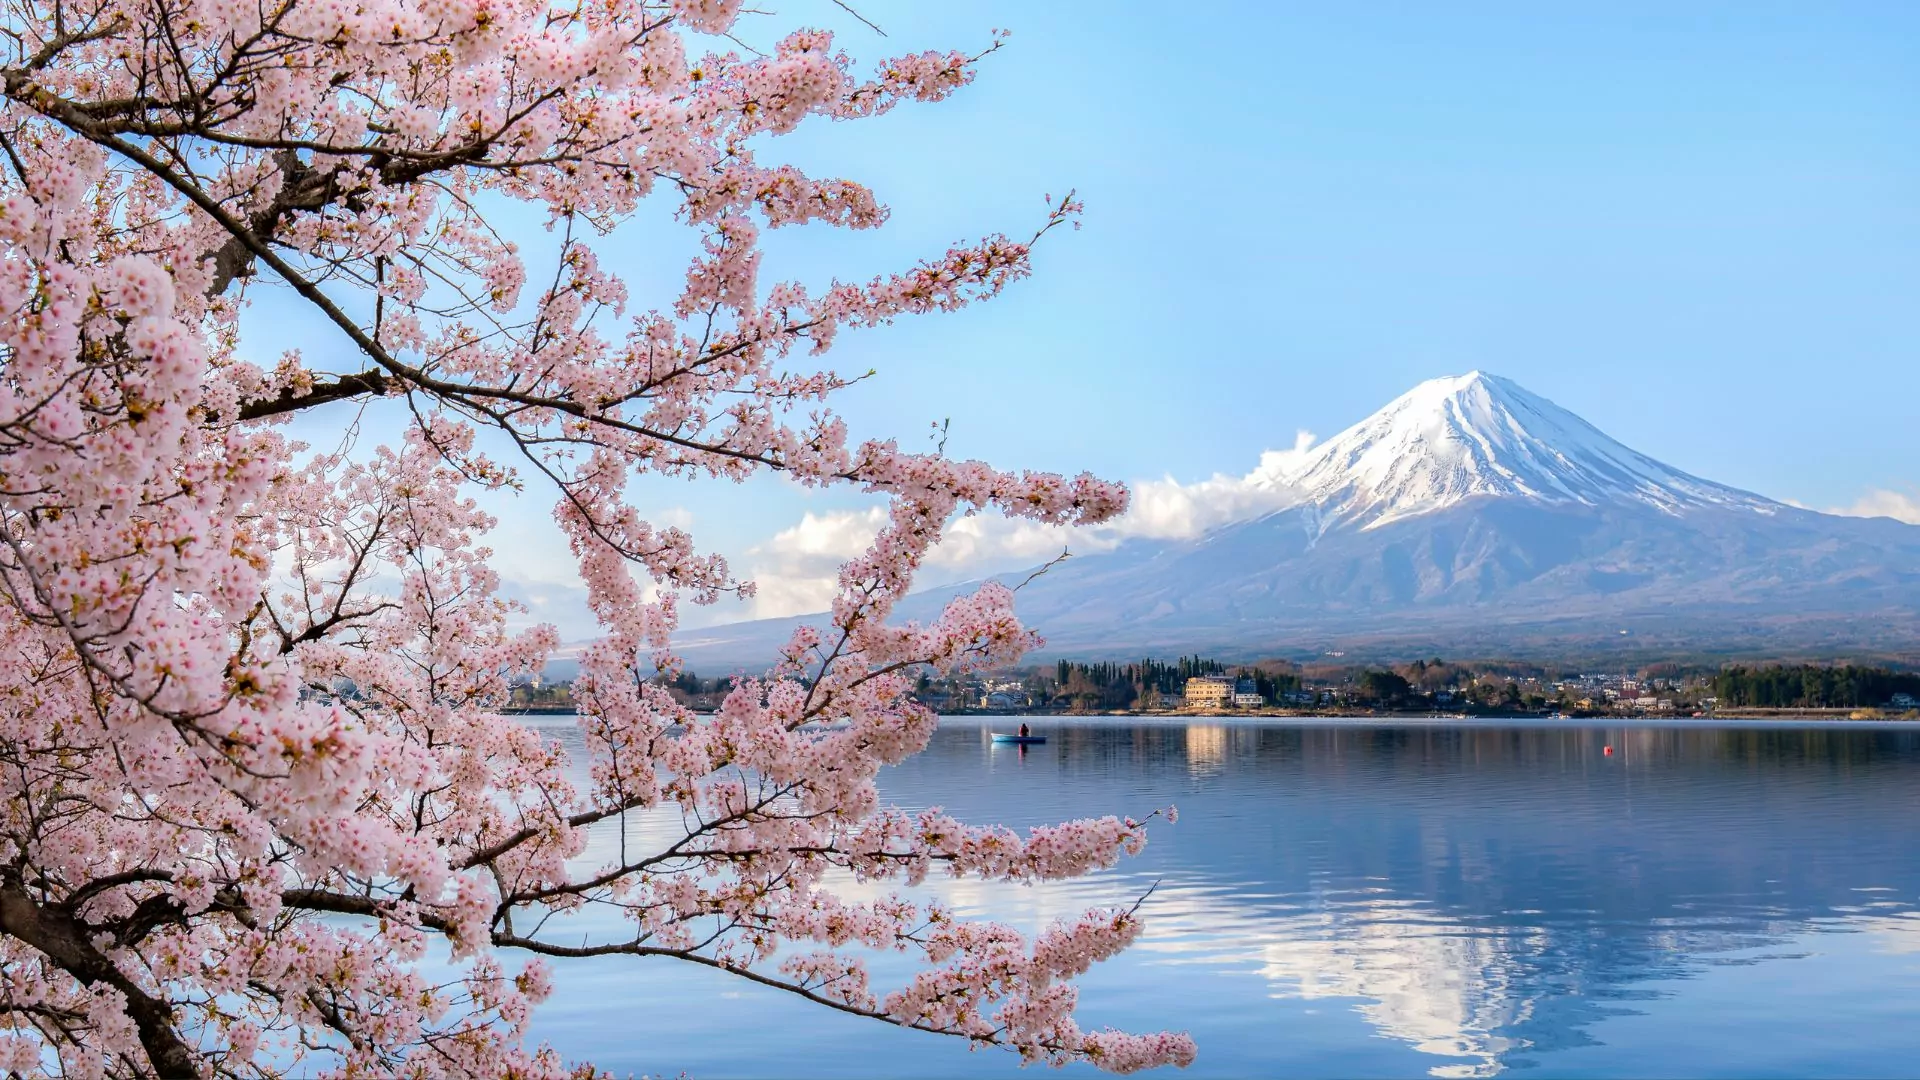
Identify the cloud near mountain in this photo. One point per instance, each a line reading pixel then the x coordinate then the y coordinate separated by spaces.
pixel 796 569
pixel 1166 509
pixel 1898 505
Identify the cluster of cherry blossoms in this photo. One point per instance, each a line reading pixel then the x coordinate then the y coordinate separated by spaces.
pixel 255 770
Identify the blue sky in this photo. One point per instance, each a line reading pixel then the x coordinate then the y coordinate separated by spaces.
pixel 1696 225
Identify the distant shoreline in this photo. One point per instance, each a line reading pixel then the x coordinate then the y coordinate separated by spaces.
pixel 1482 720
pixel 1843 716
pixel 1830 716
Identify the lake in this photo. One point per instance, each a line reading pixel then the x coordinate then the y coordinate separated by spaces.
pixel 1403 899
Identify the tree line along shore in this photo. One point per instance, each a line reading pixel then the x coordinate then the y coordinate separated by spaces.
pixel 1196 685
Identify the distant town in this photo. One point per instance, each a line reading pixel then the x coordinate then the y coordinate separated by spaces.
pixel 1196 685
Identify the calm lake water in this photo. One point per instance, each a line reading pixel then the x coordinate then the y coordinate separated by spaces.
pixel 1404 900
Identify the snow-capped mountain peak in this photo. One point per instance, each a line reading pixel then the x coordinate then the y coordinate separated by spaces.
pixel 1467 436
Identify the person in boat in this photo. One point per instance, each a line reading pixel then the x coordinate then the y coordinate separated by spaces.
pixel 1023 731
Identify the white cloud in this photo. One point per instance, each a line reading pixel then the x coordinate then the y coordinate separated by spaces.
pixel 1168 509
pixel 974 544
pixel 836 535
pixel 676 517
pixel 796 570
pixel 1881 502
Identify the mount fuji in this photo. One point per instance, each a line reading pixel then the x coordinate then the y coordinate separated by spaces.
pixel 1474 436
pixel 1470 513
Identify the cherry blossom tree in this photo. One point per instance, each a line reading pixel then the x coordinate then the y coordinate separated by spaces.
pixel 256 783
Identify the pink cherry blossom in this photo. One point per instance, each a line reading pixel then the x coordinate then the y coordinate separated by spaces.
pixel 250 689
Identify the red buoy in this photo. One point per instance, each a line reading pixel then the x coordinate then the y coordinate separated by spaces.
pixel 1607 751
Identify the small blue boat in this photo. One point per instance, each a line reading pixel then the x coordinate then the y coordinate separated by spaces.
pixel 1023 740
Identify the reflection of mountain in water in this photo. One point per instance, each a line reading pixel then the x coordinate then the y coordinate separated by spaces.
pixel 1486 894
pixel 1425 982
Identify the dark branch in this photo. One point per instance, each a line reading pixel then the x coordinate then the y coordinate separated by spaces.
pixel 292 400
pixel 68 942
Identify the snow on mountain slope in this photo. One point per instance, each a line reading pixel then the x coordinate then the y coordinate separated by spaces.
pixel 1465 436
